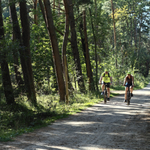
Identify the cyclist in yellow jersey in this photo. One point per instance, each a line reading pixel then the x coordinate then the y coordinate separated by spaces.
pixel 106 78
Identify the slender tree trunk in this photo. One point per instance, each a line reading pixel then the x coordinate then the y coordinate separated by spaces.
pixel 135 32
pixel 16 30
pixel 56 56
pixel 87 56
pixel 96 54
pixel 140 43
pixel 55 86
pixel 65 68
pixel 26 42
pixel 17 33
pixel 35 11
pixel 94 49
pixel 42 9
pixel 75 48
pixel 8 90
pixel 115 43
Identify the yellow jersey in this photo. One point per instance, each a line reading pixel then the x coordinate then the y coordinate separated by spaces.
pixel 106 77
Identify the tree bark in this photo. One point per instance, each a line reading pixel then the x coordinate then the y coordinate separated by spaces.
pixel 56 56
pixel 87 56
pixel 16 37
pixel 26 43
pixel 75 48
pixel 8 90
pixel 65 68
pixel 42 9
pixel 55 86
pixel 35 11
pixel 94 49
pixel 115 43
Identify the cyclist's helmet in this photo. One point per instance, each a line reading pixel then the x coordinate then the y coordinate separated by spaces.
pixel 106 70
pixel 129 72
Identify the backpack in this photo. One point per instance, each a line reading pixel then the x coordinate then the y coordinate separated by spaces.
pixel 108 75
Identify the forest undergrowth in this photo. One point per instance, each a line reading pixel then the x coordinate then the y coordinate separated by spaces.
pixel 23 117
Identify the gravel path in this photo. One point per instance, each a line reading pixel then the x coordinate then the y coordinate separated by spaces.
pixel 114 125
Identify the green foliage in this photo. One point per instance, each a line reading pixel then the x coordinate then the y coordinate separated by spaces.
pixel 130 54
pixel 23 117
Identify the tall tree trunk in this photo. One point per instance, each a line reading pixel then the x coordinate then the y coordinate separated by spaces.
pixel 42 9
pixel 26 42
pixel 8 90
pixel 94 49
pixel 56 56
pixel 115 43
pixel 140 43
pixel 135 32
pixel 55 86
pixel 87 57
pixel 16 30
pixel 65 68
pixel 135 29
pixel 75 48
pixel 17 33
pixel 35 11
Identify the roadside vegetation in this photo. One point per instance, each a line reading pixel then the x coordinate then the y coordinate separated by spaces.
pixel 24 117
pixel 53 52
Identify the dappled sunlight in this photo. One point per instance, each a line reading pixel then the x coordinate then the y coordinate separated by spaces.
pixel 123 133
pixel 102 126
pixel 88 133
pixel 78 123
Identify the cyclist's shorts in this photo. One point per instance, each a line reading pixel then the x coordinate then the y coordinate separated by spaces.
pixel 107 84
pixel 128 85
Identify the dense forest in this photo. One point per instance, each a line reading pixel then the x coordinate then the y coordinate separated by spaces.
pixel 61 47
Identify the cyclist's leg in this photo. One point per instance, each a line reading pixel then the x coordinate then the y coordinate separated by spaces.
pixel 126 89
pixel 103 86
pixel 131 90
pixel 108 92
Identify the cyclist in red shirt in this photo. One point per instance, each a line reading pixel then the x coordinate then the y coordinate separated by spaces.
pixel 128 83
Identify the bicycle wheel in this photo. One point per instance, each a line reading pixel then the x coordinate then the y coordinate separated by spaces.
pixel 105 96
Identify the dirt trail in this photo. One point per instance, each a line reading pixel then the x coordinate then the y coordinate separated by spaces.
pixel 114 125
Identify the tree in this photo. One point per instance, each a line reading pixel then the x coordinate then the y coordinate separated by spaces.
pixel 28 74
pixel 35 9
pixel 64 58
pixel 16 38
pixel 8 90
pixel 86 54
pixel 95 47
pixel 56 55
pixel 75 48
pixel 114 27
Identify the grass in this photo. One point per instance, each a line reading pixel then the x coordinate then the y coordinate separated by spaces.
pixel 24 118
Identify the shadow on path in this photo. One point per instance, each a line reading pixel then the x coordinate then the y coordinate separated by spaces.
pixel 114 125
